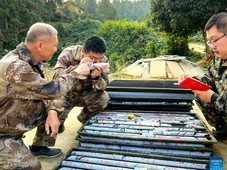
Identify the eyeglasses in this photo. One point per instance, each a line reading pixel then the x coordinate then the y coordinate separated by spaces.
pixel 214 42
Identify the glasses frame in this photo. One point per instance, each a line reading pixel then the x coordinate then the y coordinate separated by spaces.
pixel 214 42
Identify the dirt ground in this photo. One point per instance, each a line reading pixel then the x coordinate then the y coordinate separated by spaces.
pixel 65 140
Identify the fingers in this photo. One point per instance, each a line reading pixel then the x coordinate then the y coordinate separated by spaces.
pixel 54 130
pixel 182 78
pixel 96 73
pixel 98 70
pixel 83 69
pixel 47 128
pixel 52 123
pixel 86 60
pixel 51 129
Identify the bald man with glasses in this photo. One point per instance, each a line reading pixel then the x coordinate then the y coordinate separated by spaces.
pixel 213 103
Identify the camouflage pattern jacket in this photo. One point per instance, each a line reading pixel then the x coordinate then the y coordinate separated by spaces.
pixel 23 89
pixel 216 77
pixel 71 57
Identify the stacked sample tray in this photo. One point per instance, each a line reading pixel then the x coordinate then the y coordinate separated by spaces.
pixel 143 137
pixel 91 158
pixel 149 95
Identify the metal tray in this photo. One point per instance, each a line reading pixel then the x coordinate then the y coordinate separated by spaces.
pixel 146 126
pixel 161 86
pixel 85 158
pixel 149 106
pixel 145 144
pixel 146 84
pixel 149 95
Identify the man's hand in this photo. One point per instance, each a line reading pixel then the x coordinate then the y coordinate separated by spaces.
pixel 52 123
pixel 83 69
pixel 182 78
pixel 205 96
pixel 86 60
pixel 98 70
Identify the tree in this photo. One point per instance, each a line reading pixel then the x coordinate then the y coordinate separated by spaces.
pixel 129 41
pixel 16 16
pixel 106 11
pixel 51 6
pixel 80 3
pixel 183 18
pixel 91 6
pixel 131 9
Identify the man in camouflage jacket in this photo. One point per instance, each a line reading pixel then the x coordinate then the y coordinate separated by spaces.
pixel 213 103
pixel 24 95
pixel 88 93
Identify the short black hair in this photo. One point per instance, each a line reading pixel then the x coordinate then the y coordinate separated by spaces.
pixel 95 44
pixel 219 20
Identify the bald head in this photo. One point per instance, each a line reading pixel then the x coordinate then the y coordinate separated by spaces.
pixel 42 41
pixel 40 31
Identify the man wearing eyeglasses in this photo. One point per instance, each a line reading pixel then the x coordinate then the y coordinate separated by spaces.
pixel 213 103
pixel 88 93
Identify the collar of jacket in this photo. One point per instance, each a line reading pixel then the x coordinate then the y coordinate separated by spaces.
pixel 25 55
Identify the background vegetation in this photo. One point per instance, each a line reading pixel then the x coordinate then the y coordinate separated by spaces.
pixel 132 29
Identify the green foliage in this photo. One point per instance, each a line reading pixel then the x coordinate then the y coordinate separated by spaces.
pixel 117 62
pixel 80 3
pixel 51 6
pixel 11 37
pixel 150 50
pixel 131 9
pixel 73 34
pixel 106 11
pixel 194 56
pixel 68 14
pixel 17 16
pixel 127 41
pixel 196 38
pixel 177 45
pixel 183 17
pixel 114 9
pixel 91 6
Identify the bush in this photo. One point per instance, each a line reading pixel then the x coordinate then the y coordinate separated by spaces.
pixel 176 45
pixel 129 41
pixel 74 34
pixel 198 38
